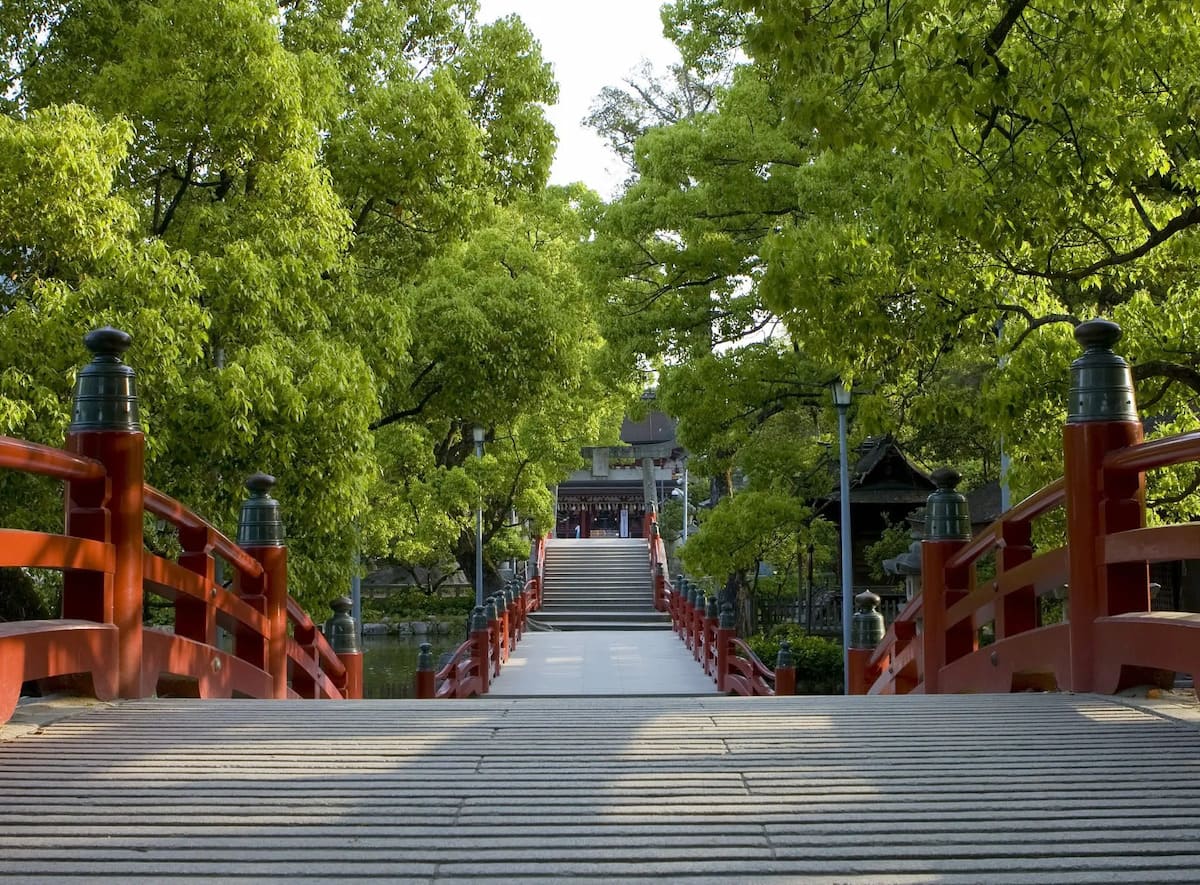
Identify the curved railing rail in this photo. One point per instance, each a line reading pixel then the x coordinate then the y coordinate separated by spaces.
pixel 187 658
pixel 968 633
pixel 1021 653
pixel 710 636
pixel 34 650
pixel 108 573
pixel 495 630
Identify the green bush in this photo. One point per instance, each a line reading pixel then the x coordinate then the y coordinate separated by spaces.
pixel 818 660
pixel 414 604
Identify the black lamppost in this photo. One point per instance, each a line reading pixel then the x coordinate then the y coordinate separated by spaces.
pixel 479 432
pixel 841 399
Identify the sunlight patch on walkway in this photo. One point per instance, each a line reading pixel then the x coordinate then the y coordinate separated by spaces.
pixel 601 662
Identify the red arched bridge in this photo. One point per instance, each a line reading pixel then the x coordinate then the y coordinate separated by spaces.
pixel 961 787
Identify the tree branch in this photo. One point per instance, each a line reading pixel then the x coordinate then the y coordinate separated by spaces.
pixel 1174 372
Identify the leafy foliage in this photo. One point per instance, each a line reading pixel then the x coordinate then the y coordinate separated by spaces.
pixel 818 660
pixel 325 225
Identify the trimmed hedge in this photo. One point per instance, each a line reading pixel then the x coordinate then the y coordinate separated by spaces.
pixel 818 660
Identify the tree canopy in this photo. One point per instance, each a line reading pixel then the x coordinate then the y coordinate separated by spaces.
pixel 327 227
pixel 921 198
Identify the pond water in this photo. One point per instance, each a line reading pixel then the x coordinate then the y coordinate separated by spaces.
pixel 390 662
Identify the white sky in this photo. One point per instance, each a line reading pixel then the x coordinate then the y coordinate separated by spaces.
pixel 590 45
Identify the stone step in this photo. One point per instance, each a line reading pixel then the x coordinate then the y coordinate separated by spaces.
pixel 600 622
pixel 642 604
pixel 589 566
pixel 598 588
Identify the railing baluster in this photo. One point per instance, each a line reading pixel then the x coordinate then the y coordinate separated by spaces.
pixel 104 426
pixel 260 534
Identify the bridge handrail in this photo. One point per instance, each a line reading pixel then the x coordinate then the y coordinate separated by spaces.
pixel 177 514
pixel 460 677
pixel 747 675
pixel 28 457
pixel 1111 636
pixel 31 650
pixel 945 651
pixel 318 670
pixel 108 571
pixel 481 657
pixel 313 646
pixel 1166 452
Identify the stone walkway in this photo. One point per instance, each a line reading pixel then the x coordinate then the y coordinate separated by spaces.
pixel 601 662
pixel 997 789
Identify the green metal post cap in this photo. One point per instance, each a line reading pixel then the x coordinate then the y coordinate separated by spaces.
pixel 710 611
pixel 784 658
pixel 489 608
pixel 727 617
pixel 259 524
pixel 946 514
pixel 1101 381
pixel 340 630
pixel 478 619
pixel 106 389
pixel 425 658
pixel 866 629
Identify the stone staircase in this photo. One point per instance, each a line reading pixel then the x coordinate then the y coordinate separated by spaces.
pixel 599 584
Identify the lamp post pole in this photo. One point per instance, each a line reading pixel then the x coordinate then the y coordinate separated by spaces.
pixel 841 399
pixel 685 500
pixel 478 431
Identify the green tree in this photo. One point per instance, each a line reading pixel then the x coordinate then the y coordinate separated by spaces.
pixel 294 208
pixel 1041 164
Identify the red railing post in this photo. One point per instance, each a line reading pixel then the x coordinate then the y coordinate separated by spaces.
pixel 104 426
pixel 493 627
pixel 197 619
pixel 1101 417
pixel 482 647
pixel 697 625
pixel 785 671
pixel 658 568
pixel 1018 611
pixel 947 529
pixel 504 624
pixel 725 636
pixel 708 627
pixel 866 632
pixel 341 631
pixel 425 688
pixel 260 534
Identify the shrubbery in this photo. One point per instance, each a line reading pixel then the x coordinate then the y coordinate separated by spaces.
pixel 818 660
pixel 414 604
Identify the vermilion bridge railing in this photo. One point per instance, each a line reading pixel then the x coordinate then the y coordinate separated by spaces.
pixel 277 651
pixel 977 629
pixel 495 630
pixel 710 635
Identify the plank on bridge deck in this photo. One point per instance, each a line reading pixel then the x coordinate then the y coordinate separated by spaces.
pixel 1020 788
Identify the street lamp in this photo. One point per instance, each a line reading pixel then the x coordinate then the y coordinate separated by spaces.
pixel 676 493
pixel 841 399
pixel 479 432
pixel 685 500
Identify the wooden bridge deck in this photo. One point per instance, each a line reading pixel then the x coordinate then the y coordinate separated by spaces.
pixel 1019 788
